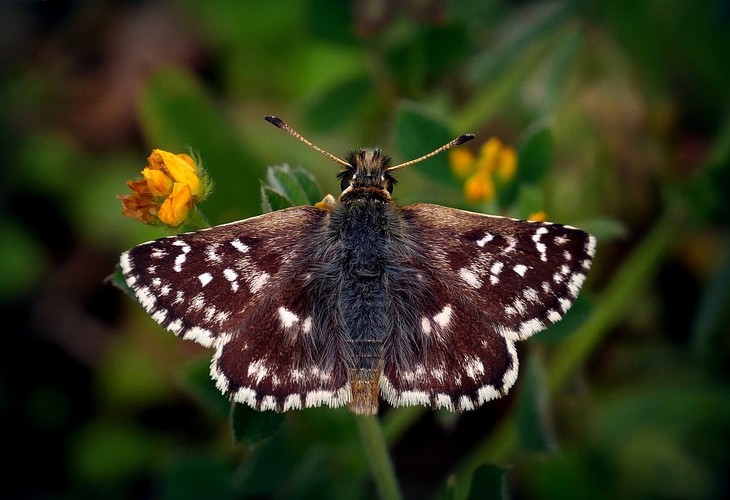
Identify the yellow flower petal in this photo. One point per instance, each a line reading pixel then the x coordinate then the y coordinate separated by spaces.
pixel 174 210
pixel 181 170
pixel 155 161
pixel 507 165
pixel 461 161
pixel 159 183
pixel 479 187
pixel 491 148
pixel 188 159
pixel 539 216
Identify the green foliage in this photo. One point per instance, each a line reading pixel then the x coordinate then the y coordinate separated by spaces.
pixel 489 481
pixel 251 426
pixel 622 134
pixel 288 187
pixel 418 132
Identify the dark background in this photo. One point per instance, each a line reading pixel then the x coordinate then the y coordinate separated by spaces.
pixel 628 397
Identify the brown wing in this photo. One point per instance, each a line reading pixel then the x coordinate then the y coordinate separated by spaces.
pixel 491 281
pixel 241 288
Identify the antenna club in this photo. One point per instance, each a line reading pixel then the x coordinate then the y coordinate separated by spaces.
pixel 462 139
pixel 274 120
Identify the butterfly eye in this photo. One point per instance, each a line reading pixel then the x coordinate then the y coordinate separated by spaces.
pixel 346 181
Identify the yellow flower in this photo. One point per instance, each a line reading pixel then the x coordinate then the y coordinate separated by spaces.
pixel 180 167
pixel 491 148
pixel 461 161
pixel 174 210
pixel 507 163
pixel 479 187
pixel 539 216
pixel 170 185
pixel 158 182
pixel 495 159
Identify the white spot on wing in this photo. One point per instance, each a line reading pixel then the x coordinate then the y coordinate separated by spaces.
pixel 258 281
pixel 316 398
pixel 205 278
pixel 444 317
pixel 200 335
pixel 576 281
pixel 240 246
pixel 179 261
pixel 175 326
pixel 486 239
pixel 470 277
pixel 520 269
pixel 287 317
pixel 444 401
pixel 531 295
pixel 473 367
pixel 487 393
pixel 258 370
pixel 425 325
pixel 293 402
pixel 268 403
pixel 231 276
pixel 531 327
pixel 180 258
pixel 246 395
pixel 553 316
pixel 211 254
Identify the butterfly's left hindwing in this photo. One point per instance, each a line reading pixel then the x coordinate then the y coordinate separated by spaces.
pixel 240 288
pixel 492 281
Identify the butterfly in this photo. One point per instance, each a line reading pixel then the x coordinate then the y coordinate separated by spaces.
pixel 357 298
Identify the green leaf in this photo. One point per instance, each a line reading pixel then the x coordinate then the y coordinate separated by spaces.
pixel 605 228
pixel 309 185
pixel 534 423
pixel 331 21
pixel 281 179
pixel 197 475
pixel 197 383
pixel 534 155
pixel 339 103
pixel 579 312
pixel 251 426
pixel 117 279
pixel 272 200
pixel 418 132
pixel 489 481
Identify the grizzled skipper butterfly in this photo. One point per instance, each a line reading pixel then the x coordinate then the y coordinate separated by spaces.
pixel 343 302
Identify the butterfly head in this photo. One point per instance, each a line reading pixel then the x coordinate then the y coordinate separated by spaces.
pixel 367 168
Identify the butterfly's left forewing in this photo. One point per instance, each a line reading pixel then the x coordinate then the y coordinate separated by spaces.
pixel 241 288
pixel 491 281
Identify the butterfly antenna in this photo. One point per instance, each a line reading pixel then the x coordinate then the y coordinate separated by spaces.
pixel 459 140
pixel 278 122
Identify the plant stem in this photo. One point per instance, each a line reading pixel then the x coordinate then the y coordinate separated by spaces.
pixel 376 450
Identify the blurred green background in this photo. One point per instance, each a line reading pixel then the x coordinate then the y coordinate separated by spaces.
pixel 619 112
